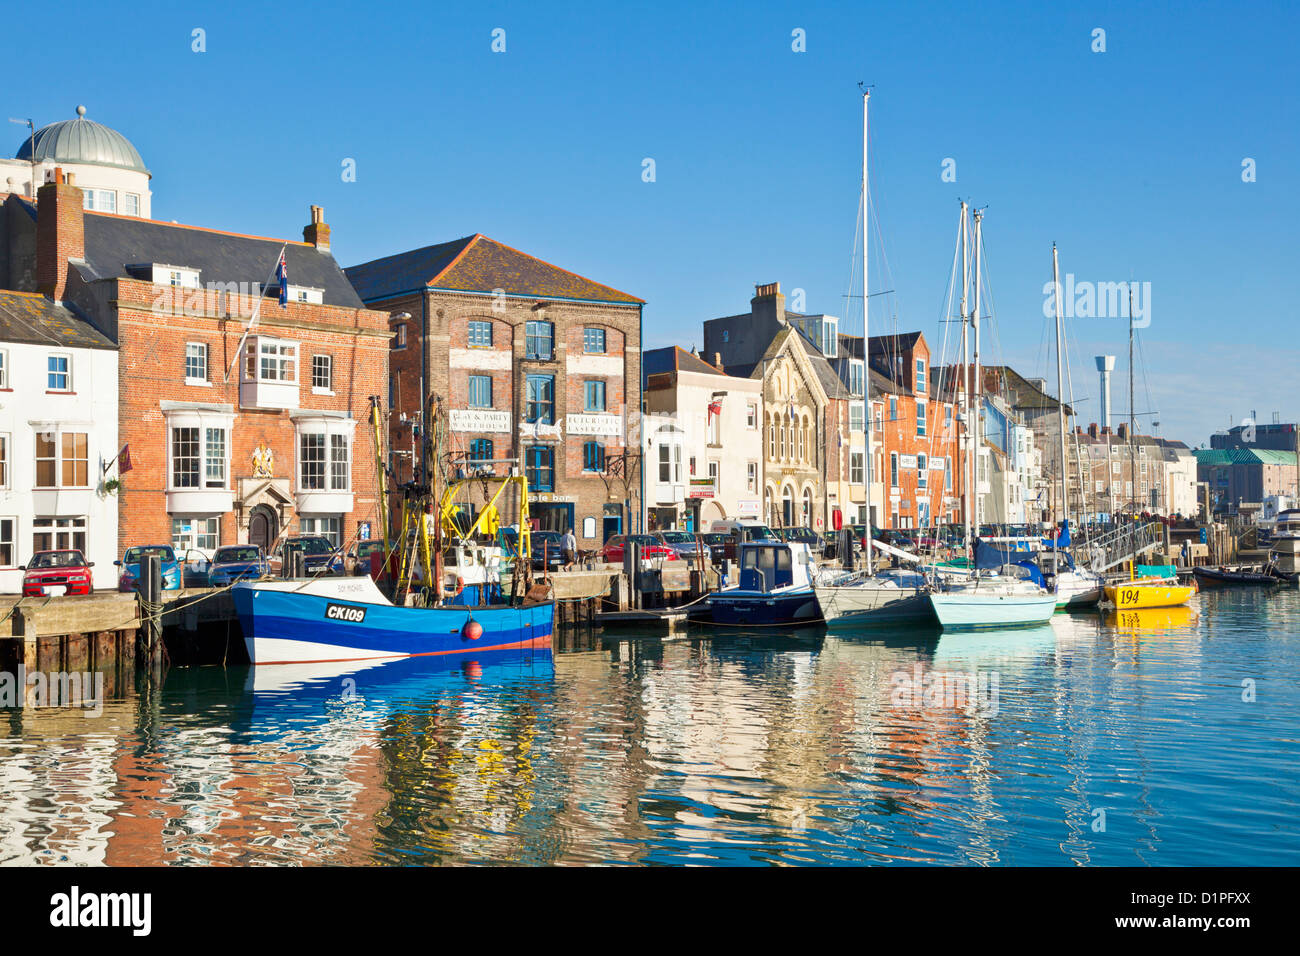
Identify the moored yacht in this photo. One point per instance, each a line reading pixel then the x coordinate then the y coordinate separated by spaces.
pixel 855 598
pixel 1285 551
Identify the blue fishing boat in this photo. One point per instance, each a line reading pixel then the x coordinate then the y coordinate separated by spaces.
pixel 349 619
pixel 775 586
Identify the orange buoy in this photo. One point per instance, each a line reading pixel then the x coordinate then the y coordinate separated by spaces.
pixel 472 630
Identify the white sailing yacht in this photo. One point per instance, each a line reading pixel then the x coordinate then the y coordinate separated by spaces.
pixel 983 600
pixel 861 598
pixel 1075 587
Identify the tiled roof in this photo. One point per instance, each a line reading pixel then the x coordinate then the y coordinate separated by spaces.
pixel 893 342
pixel 115 242
pixel 675 359
pixel 31 318
pixel 477 264
pixel 404 272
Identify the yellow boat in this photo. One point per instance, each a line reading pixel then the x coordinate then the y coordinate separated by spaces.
pixel 1134 595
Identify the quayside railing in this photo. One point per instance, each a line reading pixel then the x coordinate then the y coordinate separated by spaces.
pixel 1122 544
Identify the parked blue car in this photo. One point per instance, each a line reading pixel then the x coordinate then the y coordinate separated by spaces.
pixel 237 562
pixel 130 565
pixel 320 557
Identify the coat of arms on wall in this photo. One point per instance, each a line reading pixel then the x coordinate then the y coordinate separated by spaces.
pixel 263 462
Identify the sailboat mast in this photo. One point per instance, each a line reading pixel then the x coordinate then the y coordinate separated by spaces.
pixel 1060 400
pixel 977 386
pixel 965 372
pixel 1132 455
pixel 866 335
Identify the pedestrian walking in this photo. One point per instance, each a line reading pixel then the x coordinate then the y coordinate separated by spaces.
pixel 568 549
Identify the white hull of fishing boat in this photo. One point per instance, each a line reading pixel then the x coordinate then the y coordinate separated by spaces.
pixel 988 604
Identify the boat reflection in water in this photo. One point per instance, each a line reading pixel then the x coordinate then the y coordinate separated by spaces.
pixel 301 687
pixel 1151 618
pixel 1007 646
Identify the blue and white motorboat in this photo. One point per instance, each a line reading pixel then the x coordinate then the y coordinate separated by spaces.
pixel 329 619
pixel 775 586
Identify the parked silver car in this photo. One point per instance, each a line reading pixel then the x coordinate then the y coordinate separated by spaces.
pixel 684 543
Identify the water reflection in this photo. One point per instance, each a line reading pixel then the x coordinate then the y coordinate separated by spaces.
pixel 763 747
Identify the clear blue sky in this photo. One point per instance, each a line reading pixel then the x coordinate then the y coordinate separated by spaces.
pixel 1130 160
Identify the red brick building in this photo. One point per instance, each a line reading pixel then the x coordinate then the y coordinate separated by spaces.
pixel 236 433
pixel 916 436
pixel 539 369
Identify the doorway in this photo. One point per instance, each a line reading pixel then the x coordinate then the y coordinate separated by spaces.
pixel 263 527
pixel 612 522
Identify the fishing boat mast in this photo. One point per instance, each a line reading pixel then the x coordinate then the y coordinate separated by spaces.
pixel 866 339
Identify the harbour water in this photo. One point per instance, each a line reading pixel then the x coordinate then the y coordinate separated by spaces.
pixel 1160 738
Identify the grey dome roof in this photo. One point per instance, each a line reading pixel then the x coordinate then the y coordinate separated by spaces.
pixel 82 141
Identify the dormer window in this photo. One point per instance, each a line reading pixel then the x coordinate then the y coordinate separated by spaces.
pixel 179 277
pixel 920 375
pixel 857 376
pixel 299 293
pixel 830 337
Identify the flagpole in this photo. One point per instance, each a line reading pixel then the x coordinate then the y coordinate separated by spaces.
pixel 257 310
pixel 104 470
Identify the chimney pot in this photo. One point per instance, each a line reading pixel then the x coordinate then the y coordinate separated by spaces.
pixel 317 233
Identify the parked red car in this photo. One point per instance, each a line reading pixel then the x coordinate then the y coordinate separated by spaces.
pixel 56 569
pixel 650 548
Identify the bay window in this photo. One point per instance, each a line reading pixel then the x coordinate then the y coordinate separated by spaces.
pixel 198 457
pixel 324 469
pixel 270 373
pixel 198 444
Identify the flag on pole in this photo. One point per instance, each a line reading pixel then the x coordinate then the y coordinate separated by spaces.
pixel 281 272
pixel 124 459
pixel 282 276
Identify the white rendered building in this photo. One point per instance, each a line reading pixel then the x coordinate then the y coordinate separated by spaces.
pixel 58 436
pixel 106 167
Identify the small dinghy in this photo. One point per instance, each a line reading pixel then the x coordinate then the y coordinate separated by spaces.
pixel 1237 577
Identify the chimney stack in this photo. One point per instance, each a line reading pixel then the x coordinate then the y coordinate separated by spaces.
pixel 1105 365
pixel 1092 430
pixel 318 233
pixel 717 360
pixel 1122 431
pixel 768 306
pixel 60 233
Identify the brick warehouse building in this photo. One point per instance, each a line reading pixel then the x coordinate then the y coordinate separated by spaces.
pixel 537 366
pixel 222 451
